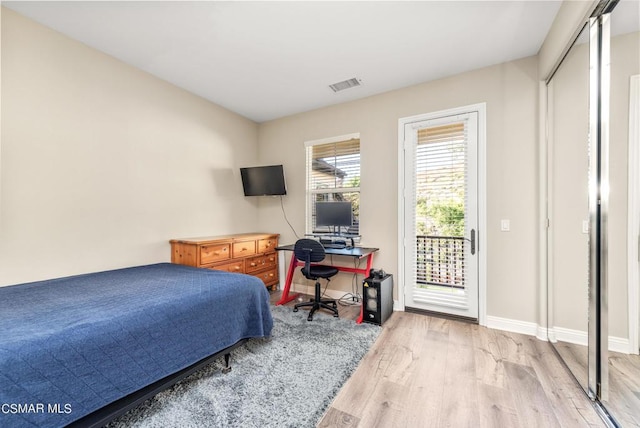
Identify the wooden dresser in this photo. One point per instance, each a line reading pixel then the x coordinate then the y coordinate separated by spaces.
pixel 250 253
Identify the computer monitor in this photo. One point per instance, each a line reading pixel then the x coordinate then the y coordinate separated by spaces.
pixel 334 215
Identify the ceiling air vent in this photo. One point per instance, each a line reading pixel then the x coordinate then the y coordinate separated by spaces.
pixel 346 84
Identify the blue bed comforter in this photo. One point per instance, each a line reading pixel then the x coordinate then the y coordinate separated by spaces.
pixel 70 346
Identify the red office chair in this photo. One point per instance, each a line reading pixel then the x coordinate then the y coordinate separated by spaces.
pixel 311 251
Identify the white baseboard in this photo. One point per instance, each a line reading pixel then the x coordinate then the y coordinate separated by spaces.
pixel 616 344
pixel 578 337
pixel 620 344
pixel 514 326
pixel 542 333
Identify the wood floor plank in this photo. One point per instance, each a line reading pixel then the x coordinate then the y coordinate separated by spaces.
pixel 460 395
pixel 338 419
pixel 489 362
pixel 533 406
pixel 496 407
pixel 511 349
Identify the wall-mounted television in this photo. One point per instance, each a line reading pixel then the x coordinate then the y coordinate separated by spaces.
pixel 263 180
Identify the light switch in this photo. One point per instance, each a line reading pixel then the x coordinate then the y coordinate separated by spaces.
pixel 505 225
pixel 585 226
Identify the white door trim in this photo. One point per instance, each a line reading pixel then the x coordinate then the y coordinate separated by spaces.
pixel 633 219
pixel 482 201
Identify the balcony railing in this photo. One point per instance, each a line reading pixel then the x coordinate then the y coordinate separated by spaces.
pixel 440 261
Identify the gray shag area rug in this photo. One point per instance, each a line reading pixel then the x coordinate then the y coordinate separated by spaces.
pixel 288 380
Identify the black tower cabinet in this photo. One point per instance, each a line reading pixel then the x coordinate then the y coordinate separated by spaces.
pixel 378 298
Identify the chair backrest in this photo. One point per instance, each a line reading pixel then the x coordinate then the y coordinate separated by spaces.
pixel 308 251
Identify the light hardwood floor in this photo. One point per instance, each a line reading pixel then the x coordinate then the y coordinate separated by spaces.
pixel 432 372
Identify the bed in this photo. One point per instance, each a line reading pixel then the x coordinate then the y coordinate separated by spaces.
pixel 84 349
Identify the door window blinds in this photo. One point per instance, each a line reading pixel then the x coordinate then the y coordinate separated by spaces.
pixel 440 200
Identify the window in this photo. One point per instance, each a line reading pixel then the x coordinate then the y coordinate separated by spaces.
pixel 333 174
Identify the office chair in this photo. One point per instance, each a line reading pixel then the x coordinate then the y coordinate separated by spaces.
pixel 311 251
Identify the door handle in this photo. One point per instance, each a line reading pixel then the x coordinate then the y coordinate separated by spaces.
pixel 473 241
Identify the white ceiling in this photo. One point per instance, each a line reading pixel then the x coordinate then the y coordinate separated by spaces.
pixel 266 60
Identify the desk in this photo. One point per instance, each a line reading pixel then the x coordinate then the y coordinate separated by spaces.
pixel 356 252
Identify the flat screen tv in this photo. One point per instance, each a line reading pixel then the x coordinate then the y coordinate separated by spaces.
pixel 263 180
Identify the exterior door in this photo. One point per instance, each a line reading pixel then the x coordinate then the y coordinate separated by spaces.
pixel 441 213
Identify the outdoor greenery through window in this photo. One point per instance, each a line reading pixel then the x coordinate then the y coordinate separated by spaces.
pixel 440 180
pixel 333 174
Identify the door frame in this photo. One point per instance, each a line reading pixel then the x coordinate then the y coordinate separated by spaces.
pixel 633 243
pixel 480 109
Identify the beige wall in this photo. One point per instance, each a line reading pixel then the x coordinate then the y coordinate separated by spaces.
pixel 625 62
pixel 102 163
pixel 510 91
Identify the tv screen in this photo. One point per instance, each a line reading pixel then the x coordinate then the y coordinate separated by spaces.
pixel 334 214
pixel 263 180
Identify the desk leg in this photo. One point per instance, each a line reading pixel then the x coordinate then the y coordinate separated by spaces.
pixel 287 284
pixel 368 269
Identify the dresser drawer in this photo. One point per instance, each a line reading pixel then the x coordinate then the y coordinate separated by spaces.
pixel 235 267
pixel 267 245
pixel 254 264
pixel 214 253
pixel 244 249
pixel 269 277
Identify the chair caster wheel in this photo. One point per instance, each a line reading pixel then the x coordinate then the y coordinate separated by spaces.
pixel 295 309
pixel 309 318
pixel 335 315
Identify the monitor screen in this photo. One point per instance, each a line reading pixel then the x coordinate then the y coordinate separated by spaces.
pixel 334 214
pixel 263 180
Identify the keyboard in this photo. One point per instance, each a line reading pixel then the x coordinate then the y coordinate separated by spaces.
pixel 335 246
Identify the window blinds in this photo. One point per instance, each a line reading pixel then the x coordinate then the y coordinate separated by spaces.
pixel 440 183
pixel 440 179
pixel 334 166
pixel 333 174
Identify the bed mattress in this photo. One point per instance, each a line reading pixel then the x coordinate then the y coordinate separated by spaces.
pixel 70 346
